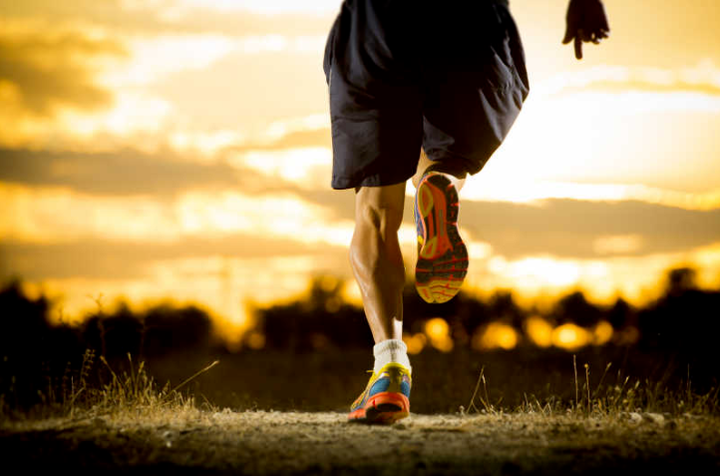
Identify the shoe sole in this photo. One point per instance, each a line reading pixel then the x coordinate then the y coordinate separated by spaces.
pixel 442 259
pixel 383 408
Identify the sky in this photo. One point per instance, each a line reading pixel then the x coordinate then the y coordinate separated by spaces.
pixel 180 149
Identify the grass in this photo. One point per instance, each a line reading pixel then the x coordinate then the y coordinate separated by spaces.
pixel 129 392
pixel 114 415
pixel 98 388
pixel 608 400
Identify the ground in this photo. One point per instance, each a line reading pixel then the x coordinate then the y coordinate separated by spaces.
pixel 191 441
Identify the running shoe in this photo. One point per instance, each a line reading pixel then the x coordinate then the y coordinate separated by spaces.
pixel 442 256
pixel 386 398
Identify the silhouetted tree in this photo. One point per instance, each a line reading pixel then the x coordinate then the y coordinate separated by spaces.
pixel 34 354
pixel 322 312
pixel 680 280
pixel 683 324
pixel 502 307
pixel 24 322
pixel 575 308
pixel 416 311
pixel 470 314
pixel 621 314
pixel 321 318
pixel 168 329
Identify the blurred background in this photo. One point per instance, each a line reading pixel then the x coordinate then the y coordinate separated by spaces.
pixel 166 164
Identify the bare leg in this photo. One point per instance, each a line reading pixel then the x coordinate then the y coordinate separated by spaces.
pixel 376 258
pixel 424 163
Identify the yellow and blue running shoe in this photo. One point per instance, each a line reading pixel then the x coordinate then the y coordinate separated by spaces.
pixel 386 398
pixel 442 256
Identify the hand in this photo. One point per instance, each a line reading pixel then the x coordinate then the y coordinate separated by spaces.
pixel 586 22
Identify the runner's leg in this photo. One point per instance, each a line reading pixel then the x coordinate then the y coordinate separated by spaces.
pixel 377 262
pixel 376 257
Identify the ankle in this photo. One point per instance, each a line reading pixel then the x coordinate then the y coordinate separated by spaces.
pixel 390 351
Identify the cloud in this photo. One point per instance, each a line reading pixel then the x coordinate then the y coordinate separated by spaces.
pixel 703 78
pixel 62 10
pixel 50 70
pixel 572 228
pixel 339 203
pixel 103 259
pixel 617 244
pixel 127 172
pixel 560 227
pixel 307 168
pixel 76 82
pixel 58 215
pixel 170 16
pixel 565 228
pixel 623 138
pixel 248 91
pixel 314 138
pixel 239 23
pixel 528 191
pixel 267 7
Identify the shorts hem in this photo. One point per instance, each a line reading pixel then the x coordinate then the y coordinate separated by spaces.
pixel 372 180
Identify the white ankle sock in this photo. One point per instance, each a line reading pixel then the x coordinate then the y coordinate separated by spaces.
pixel 391 350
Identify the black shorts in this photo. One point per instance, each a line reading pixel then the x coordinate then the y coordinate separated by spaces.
pixel 445 75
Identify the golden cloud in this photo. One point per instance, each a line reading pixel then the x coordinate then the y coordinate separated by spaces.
pixel 51 69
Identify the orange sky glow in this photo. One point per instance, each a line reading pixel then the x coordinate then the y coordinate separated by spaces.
pixel 180 149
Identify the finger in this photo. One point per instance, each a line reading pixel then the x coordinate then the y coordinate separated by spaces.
pixel 601 17
pixel 578 47
pixel 603 20
pixel 571 22
pixel 599 35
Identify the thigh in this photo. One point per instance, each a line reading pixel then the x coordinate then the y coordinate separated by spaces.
pixel 375 96
pixel 474 95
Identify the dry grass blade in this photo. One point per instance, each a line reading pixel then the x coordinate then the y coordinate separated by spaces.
pixel 471 405
pixel 602 379
pixel 194 376
pixel 577 391
pixel 587 385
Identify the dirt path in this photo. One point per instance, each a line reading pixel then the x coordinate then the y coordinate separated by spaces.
pixel 323 443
